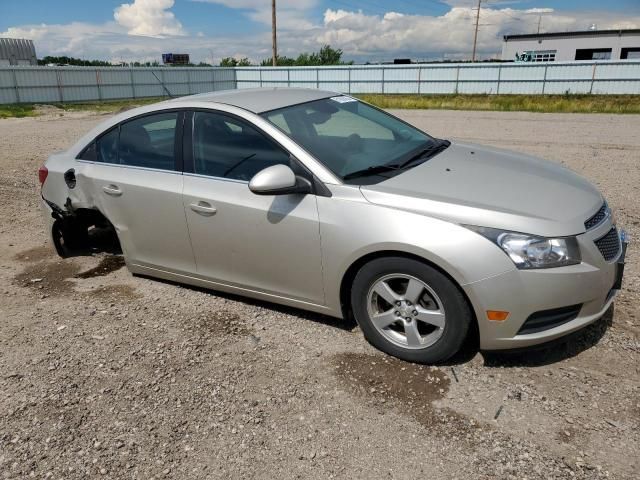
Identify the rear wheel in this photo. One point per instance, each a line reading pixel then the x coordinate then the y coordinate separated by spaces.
pixel 410 310
pixel 69 237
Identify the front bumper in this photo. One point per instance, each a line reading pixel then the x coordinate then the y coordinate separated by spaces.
pixel 592 285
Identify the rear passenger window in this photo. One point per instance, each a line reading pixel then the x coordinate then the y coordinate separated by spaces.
pixel 149 141
pixel 224 146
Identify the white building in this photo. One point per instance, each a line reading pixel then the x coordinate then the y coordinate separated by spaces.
pixel 15 51
pixel 568 46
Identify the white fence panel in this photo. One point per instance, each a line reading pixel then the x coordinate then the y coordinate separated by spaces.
pixel 306 75
pixel 69 84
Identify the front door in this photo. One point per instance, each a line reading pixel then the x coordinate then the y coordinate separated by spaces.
pixel 269 244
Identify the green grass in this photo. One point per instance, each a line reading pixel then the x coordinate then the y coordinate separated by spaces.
pixel 7 111
pixel 108 105
pixel 512 103
pixel 500 103
pixel 30 110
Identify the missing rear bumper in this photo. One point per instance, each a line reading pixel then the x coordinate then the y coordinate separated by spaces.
pixel 81 231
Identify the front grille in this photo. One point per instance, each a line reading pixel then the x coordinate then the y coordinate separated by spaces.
pixel 597 217
pixel 609 245
pixel 546 319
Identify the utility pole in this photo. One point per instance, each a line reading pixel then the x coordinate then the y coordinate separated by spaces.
pixel 539 22
pixel 274 45
pixel 475 36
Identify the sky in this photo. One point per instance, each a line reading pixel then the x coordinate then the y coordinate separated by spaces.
pixel 366 30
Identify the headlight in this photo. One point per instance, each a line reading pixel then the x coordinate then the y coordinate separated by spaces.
pixel 529 251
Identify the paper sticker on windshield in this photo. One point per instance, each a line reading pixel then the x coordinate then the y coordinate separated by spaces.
pixel 343 99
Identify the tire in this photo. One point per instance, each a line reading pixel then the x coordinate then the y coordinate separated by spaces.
pixel 69 238
pixel 431 320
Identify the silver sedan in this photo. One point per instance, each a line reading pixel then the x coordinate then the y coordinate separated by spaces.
pixel 319 201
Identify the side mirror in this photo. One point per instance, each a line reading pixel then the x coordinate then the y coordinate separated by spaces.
pixel 278 180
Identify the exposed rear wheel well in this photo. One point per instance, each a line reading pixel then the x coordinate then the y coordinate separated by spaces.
pixel 83 232
pixel 347 280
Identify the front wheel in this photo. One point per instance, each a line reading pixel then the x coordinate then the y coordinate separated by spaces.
pixel 410 310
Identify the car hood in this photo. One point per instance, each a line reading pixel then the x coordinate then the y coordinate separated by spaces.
pixel 489 187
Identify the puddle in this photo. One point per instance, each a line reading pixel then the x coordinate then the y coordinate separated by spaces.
pixel 36 254
pixel 48 277
pixel 107 265
pixel 223 322
pixel 393 383
pixel 56 277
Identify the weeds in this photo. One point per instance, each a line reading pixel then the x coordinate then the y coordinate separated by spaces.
pixel 7 111
pixel 512 103
pixel 567 103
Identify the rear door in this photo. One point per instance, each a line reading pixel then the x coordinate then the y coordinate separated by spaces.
pixel 266 243
pixel 138 185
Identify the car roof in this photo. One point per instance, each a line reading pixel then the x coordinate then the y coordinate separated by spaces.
pixel 259 100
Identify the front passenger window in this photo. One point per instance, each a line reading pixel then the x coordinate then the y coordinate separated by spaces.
pixel 149 141
pixel 226 147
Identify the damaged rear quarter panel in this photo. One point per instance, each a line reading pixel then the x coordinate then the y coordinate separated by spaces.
pixel 55 189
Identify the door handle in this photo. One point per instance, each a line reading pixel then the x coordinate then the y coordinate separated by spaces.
pixel 203 208
pixel 112 190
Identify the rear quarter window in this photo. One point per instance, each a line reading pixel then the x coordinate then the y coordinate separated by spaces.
pixel 107 147
pixel 89 153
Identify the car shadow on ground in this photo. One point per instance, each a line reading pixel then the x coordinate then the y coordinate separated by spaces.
pixel 342 324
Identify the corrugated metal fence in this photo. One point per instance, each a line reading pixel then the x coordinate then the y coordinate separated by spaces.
pixel 490 78
pixel 72 84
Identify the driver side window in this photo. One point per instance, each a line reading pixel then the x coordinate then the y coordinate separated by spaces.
pixel 226 147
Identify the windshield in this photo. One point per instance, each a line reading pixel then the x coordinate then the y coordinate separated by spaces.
pixel 357 142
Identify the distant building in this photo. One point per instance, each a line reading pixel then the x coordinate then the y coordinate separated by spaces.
pixel 175 58
pixel 567 46
pixel 16 51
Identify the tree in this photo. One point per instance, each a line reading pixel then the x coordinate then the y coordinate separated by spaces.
pixel 234 62
pixel 330 56
pixel 325 56
pixel 72 61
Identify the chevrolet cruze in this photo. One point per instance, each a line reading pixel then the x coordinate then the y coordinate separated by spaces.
pixel 319 201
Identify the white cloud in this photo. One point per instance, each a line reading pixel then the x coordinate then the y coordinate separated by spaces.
pixel 539 10
pixel 150 18
pixel 151 29
pixel 451 34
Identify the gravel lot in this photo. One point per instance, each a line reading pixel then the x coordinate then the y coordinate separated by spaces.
pixel 106 374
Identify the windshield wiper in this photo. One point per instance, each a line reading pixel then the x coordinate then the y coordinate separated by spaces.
pixel 378 169
pixel 425 153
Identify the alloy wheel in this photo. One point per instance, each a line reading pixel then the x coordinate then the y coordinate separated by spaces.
pixel 406 311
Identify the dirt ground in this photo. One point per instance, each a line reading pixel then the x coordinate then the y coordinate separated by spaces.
pixel 103 374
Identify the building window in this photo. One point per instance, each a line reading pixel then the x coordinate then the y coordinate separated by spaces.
pixel 544 56
pixel 632 53
pixel 537 56
pixel 593 54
